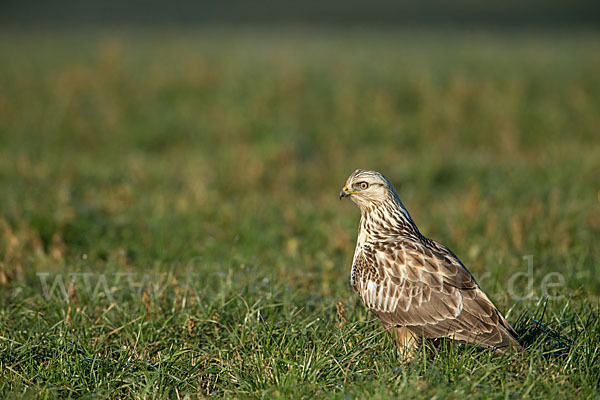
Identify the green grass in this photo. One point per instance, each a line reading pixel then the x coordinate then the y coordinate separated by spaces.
pixel 182 186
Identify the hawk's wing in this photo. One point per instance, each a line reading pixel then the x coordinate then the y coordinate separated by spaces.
pixel 428 291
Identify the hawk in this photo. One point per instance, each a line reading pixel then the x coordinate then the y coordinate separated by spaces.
pixel 416 286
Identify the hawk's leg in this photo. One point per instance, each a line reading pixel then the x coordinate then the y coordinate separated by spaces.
pixel 405 341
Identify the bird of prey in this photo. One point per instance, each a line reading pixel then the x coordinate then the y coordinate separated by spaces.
pixel 416 286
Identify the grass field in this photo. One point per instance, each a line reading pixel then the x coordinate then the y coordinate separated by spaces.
pixel 170 225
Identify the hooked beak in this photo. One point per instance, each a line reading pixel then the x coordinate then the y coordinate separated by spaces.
pixel 344 192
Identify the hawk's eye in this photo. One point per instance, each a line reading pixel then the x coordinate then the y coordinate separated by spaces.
pixel 363 185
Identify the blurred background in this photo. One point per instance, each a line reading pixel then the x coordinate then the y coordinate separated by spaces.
pixel 377 13
pixel 144 133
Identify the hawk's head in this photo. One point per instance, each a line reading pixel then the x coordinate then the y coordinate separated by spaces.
pixel 368 188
